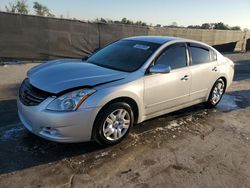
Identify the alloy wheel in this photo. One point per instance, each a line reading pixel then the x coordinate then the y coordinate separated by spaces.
pixel 217 92
pixel 116 124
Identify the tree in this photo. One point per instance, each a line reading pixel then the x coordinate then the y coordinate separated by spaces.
pixel 194 26
pixel 126 21
pixel 174 24
pixel 235 28
pixel 19 6
pixel 206 26
pixel 42 10
pixel 11 7
pixel 221 26
pixel 140 23
pixel 101 20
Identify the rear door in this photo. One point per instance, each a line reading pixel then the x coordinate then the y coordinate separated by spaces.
pixel 203 69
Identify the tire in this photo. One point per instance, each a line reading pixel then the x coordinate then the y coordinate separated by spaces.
pixel 113 124
pixel 216 93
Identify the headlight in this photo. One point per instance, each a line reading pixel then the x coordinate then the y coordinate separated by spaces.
pixel 70 101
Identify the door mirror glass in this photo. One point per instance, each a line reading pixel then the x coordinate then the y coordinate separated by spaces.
pixel 160 68
pixel 85 58
pixel 95 50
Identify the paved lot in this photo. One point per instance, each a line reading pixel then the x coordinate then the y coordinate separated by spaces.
pixel 194 147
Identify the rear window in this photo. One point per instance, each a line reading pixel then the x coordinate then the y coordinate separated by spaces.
pixel 213 55
pixel 199 55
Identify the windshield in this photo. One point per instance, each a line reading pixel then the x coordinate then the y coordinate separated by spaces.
pixel 124 55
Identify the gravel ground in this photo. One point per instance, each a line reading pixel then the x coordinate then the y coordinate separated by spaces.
pixel 194 147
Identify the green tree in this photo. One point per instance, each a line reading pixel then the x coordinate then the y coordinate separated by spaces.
pixel 42 10
pixel 206 26
pixel 174 25
pixel 103 20
pixel 19 6
pixel 126 21
pixel 221 26
pixel 235 28
pixel 140 23
pixel 194 26
pixel 11 7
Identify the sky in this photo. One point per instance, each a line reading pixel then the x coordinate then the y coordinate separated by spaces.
pixel 164 12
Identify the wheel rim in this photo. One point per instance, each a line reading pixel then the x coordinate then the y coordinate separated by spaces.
pixel 116 124
pixel 217 92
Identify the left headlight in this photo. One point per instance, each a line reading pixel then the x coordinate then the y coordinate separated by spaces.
pixel 70 101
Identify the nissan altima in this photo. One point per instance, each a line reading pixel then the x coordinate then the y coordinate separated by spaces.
pixel 127 82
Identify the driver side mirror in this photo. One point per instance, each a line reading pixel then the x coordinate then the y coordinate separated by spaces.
pixel 160 68
pixel 85 58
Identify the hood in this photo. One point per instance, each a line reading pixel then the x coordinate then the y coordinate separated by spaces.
pixel 59 75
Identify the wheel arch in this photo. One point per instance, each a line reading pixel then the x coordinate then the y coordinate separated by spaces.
pixel 224 79
pixel 131 102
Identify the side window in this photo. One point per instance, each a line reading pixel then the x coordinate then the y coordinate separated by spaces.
pixel 174 56
pixel 199 55
pixel 213 55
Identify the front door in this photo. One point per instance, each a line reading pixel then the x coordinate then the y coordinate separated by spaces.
pixel 163 91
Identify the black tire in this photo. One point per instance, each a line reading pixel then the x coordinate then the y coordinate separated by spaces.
pixel 210 103
pixel 98 133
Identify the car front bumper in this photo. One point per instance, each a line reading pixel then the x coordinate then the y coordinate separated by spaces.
pixel 75 126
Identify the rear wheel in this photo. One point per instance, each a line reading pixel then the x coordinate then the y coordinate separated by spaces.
pixel 113 123
pixel 216 93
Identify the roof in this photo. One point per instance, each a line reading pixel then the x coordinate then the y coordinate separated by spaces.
pixel 154 39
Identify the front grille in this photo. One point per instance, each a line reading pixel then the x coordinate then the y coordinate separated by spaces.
pixel 31 96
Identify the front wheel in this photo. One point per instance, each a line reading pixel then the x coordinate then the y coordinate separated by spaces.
pixel 113 123
pixel 216 93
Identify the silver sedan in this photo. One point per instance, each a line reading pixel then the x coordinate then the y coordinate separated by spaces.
pixel 129 81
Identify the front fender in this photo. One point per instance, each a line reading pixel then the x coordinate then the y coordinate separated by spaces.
pixel 133 90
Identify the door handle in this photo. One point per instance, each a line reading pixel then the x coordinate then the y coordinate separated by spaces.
pixel 184 78
pixel 214 69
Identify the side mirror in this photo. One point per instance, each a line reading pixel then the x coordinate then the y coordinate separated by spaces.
pixel 85 58
pixel 95 50
pixel 160 68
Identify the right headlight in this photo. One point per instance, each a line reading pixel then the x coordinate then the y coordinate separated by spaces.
pixel 70 101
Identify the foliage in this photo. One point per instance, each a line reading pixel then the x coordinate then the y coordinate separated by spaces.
pixel 173 25
pixel 235 28
pixel 216 26
pixel 206 26
pixel 122 21
pixel 42 10
pixel 220 26
pixel 194 26
pixel 19 6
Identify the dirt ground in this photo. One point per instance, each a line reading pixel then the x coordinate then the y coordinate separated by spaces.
pixel 194 147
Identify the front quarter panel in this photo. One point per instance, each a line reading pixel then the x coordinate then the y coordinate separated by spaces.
pixel 133 90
